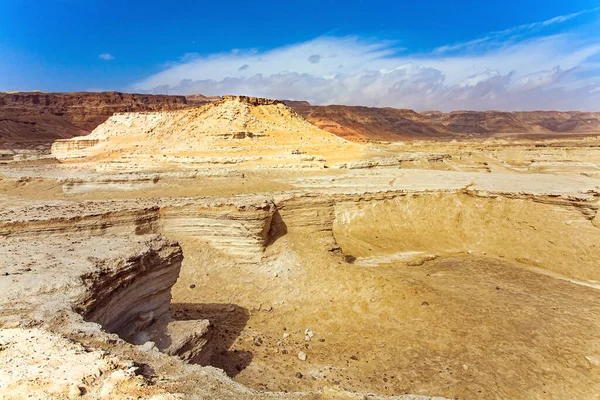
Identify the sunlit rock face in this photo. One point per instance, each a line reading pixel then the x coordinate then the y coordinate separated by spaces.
pixel 236 251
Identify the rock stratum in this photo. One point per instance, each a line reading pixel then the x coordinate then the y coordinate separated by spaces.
pixel 37 119
pixel 234 130
pixel 237 251
pixel 33 118
pixel 369 123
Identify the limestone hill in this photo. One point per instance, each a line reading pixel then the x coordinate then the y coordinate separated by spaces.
pixel 233 130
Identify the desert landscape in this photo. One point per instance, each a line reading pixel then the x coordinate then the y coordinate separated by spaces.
pixel 236 247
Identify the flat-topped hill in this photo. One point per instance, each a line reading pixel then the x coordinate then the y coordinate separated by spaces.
pixel 232 130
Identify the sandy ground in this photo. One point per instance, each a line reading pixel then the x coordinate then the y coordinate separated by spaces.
pixel 478 280
pixel 464 326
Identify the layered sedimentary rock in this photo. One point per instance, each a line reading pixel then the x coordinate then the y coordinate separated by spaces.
pixel 451 222
pixel 30 119
pixel 64 296
pixel 349 218
pixel 127 296
pixel 238 232
pixel 25 129
pixel 239 228
pixel 456 265
pixel 87 110
pixel 557 121
pixel 367 123
pixel 234 130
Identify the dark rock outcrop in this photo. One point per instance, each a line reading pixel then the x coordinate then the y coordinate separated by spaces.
pixel 29 119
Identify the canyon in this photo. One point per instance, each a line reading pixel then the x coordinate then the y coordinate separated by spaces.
pixel 249 248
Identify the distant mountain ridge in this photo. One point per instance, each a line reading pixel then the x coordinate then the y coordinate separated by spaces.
pixel 35 118
pixel 370 123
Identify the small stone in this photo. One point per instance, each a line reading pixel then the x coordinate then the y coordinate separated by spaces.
pixel 284 351
pixel 497 287
pixel 321 340
pixel 309 333
pixel 298 375
pixel 286 335
pixel 353 357
pixel 75 391
pixel 302 356
pixel 424 304
pixel 258 341
pixel 192 286
pixel 307 338
pixel 149 346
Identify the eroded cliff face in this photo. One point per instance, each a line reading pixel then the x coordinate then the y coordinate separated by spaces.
pixel 325 251
pixel 234 130
pixel 37 119
pixel 440 268
pixel 116 283
pixel 127 296
pixel 87 110
pixel 370 123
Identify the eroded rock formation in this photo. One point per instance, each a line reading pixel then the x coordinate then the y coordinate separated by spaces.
pixel 34 118
pixel 170 249
pixel 265 131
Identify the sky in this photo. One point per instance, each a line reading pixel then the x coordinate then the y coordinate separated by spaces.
pixel 423 55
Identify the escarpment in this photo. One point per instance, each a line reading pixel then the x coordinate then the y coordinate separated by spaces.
pixel 233 250
pixel 107 262
pixel 238 233
pixel 127 296
pixel 37 119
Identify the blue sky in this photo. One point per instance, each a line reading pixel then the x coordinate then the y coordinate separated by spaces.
pixel 415 54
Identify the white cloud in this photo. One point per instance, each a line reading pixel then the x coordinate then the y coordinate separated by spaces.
pixel 537 80
pixel 516 30
pixel 476 79
pixel 536 73
pixel 106 57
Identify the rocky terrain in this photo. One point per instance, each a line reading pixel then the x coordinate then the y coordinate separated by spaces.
pixel 236 251
pixel 234 130
pixel 37 119
pixel 367 123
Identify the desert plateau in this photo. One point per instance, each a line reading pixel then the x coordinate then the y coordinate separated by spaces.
pixel 316 200
pixel 234 249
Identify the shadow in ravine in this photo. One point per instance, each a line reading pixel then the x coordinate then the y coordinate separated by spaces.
pixel 278 229
pixel 228 321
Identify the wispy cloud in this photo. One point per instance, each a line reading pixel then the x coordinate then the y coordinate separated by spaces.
pixel 106 57
pixel 543 72
pixel 516 30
